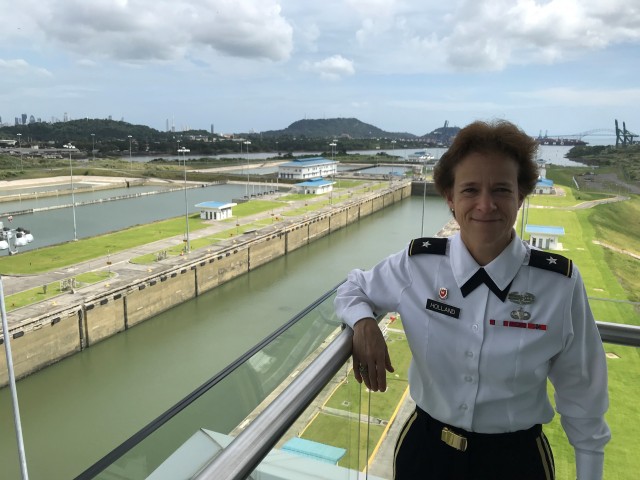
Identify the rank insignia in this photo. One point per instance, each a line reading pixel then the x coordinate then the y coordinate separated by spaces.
pixel 443 293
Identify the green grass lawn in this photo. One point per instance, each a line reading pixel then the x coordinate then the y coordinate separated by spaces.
pixel 51 290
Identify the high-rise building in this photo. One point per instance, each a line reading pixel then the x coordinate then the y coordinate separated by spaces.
pixel 24 119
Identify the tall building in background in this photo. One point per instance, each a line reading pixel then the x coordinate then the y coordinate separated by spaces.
pixel 212 129
pixel 24 119
pixel 32 119
pixel 66 117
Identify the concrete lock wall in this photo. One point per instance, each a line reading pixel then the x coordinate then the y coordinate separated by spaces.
pixel 353 214
pixel 232 264
pixel 319 228
pixel 207 275
pixel 338 219
pixel 272 246
pixel 378 203
pixel 148 299
pixel 297 236
pixel 40 344
pixel 52 337
pixel 103 318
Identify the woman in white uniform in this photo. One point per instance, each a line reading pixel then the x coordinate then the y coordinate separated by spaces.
pixel 488 320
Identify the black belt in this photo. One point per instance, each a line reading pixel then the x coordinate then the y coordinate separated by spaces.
pixel 460 439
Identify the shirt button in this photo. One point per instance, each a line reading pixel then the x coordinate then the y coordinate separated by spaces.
pixel 469 353
pixel 463 406
pixel 468 378
pixel 475 328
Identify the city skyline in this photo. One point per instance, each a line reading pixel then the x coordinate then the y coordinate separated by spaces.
pixel 560 67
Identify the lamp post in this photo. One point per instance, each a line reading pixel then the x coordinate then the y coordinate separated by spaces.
pixel 247 143
pixel 393 159
pixel 186 205
pixel 333 159
pixel 12 385
pixel 93 146
pixel 20 148
pixel 130 160
pixel 73 198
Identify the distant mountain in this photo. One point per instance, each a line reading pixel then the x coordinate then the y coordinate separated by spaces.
pixel 335 128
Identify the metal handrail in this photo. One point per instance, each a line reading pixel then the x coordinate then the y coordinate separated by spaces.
pixel 248 449
pixel 619 334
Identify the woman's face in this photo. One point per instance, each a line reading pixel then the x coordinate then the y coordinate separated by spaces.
pixel 485 198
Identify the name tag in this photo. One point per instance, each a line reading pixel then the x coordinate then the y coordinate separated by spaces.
pixel 443 308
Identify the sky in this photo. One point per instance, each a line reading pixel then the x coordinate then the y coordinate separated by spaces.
pixel 561 67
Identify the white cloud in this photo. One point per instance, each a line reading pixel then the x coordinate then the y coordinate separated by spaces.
pixel 151 30
pixel 20 67
pixel 331 68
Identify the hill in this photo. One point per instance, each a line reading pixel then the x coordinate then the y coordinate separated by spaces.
pixel 336 128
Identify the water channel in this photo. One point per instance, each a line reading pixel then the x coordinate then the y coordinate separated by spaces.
pixel 79 409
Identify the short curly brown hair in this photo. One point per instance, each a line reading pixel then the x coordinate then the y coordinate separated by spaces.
pixel 488 137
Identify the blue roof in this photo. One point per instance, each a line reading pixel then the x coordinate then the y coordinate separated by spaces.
pixel 215 205
pixel 544 229
pixel 315 450
pixel 305 162
pixel 314 182
pixel 544 182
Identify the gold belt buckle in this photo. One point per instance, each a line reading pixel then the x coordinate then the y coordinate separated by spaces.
pixel 454 440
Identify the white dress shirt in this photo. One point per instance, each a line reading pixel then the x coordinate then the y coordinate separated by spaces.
pixel 482 364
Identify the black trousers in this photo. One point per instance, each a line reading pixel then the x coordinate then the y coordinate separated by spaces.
pixel 421 454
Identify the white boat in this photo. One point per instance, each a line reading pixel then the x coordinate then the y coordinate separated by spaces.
pixel 421 156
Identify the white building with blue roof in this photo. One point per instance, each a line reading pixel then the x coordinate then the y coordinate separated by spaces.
pixel 544 186
pixel 544 236
pixel 215 210
pixel 306 168
pixel 315 186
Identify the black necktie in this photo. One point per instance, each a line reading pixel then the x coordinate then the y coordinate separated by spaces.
pixel 479 278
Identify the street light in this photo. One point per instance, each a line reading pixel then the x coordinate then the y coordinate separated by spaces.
pixel 93 146
pixel 333 159
pixel 393 156
pixel 186 205
pixel 130 160
pixel 73 197
pixel 12 385
pixel 20 148
pixel 247 143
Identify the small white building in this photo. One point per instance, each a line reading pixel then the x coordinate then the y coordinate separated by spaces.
pixel 544 186
pixel 215 210
pixel 315 186
pixel 307 168
pixel 544 236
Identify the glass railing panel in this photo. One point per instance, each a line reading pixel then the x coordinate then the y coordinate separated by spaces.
pixel 217 414
pixel 348 417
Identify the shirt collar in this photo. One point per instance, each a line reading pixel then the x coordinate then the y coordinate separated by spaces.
pixel 502 269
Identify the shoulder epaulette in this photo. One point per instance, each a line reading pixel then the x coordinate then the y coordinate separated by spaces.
pixel 551 261
pixel 433 245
